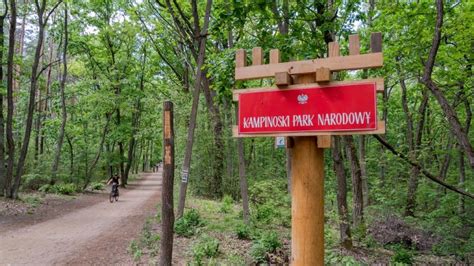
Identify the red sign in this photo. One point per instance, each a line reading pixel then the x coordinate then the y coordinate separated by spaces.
pixel 346 107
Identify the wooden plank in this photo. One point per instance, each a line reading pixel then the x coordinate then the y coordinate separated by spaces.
pixel 307 203
pixel 380 130
pixel 324 142
pixel 379 84
pixel 338 63
pixel 282 79
pixel 240 58
pixel 354 44
pixel 275 56
pixel 376 42
pixel 323 74
pixel 333 49
pixel 257 56
pixel 167 212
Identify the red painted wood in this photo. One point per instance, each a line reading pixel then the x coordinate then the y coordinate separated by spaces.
pixel 332 108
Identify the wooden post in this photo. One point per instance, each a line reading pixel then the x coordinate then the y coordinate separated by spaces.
pixel 307 193
pixel 167 214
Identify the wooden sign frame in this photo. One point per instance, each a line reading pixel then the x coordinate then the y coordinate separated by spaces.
pixel 307 148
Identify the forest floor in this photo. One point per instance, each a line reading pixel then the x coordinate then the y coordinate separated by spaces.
pixel 76 230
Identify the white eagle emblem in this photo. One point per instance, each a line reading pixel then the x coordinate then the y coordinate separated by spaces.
pixel 302 99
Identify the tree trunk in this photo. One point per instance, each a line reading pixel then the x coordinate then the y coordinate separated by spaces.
pixel 343 211
pixel 2 119
pixel 167 213
pixel 99 152
pixel 448 110
pixel 10 73
pixel 244 189
pixel 363 170
pixel 415 146
pixel 357 198
pixel 62 86
pixel 71 156
pixel 218 163
pixel 42 21
pixel 197 85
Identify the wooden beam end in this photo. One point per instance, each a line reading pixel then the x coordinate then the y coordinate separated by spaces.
pixel 324 142
pixel 323 74
pixel 240 58
pixel 282 79
pixel 257 56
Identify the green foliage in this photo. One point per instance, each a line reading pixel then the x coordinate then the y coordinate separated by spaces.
pixel 227 204
pixel 34 181
pixel 243 231
pixel 332 257
pixel 63 189
pixel 206 247
pixel 267 243
pixel 271 202
pixel 32 200
pixel 97 186
pixel 135 250
pixel 402 255
pixel 187 225
pixel 149 239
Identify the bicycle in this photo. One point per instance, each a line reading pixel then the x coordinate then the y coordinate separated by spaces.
pixel 114 193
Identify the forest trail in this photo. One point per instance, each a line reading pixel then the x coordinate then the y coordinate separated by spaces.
pixel 99 234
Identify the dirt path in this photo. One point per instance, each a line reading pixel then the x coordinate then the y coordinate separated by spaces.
pixel 98 234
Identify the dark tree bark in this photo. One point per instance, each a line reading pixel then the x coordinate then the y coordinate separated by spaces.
pixel 62 86
pixel 357 198
pixel 167 213
pixel 71 156
pixel 99 152
pixel 218 162
pixel 449 112
pixel 2 119
pixel 421 169
pixel 135 120
pixel 343 211
pixel 244 188
pixel 201 38
pixel 10 73
pixel 363 170
pixel 42 21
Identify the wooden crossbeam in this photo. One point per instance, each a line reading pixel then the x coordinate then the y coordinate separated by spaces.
pixel 379 83
pixel 340 63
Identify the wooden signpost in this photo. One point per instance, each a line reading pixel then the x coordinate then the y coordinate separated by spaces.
pixel 307 108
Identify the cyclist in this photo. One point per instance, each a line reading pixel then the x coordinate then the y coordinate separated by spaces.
pixel 115 181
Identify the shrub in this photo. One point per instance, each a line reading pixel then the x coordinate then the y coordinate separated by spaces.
pixel 186 225
pixel 33 201
pixel 97 186
pixel 242 231
pixel 402 255
pixel 227 203
pixel 258 252
pixel 267 243
pixel 271 202
pixel 34 181
pixel 64 189
pixel 270 240
pixel 206 247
